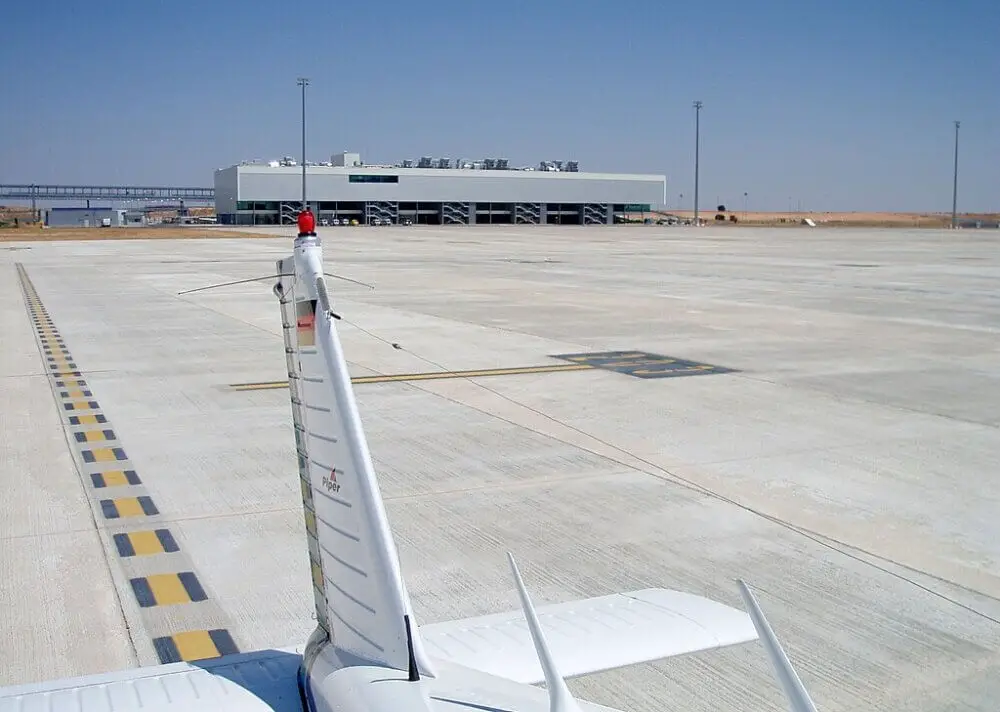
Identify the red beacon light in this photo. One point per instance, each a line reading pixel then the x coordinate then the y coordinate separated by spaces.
pixel 307 223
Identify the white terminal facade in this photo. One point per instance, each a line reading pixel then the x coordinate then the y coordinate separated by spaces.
pixel 433 192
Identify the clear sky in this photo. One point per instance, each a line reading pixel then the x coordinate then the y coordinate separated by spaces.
pixel 845 105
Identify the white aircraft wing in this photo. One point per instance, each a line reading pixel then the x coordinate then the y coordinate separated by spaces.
pixel 591 635
pixel 251 682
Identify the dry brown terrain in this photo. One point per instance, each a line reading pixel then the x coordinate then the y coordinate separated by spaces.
pixel 55 234
pixel 841 219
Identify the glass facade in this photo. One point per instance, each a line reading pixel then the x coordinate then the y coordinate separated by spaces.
pixel 429 213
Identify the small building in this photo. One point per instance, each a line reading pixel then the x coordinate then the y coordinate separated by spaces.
pixel 434 191
pixel 85 217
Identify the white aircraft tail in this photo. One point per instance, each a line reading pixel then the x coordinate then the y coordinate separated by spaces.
pixel 362 606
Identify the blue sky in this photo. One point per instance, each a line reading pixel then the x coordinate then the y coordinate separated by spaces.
pixel 829 106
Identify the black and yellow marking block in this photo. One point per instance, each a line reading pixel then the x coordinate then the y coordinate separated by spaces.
pixel 82 405
pixel 642 364
pixel 115 478
pixel 146 543
pixel 90 436
pixel 70 383
pixel 87 419
pixel 122 507
pixel 194 645
pixel 103 454
pixel 168 589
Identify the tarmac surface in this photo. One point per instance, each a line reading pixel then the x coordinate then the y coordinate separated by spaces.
pixel 843 458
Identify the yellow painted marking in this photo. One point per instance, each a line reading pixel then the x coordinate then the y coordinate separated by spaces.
pixel 168 589
pixel 129 507
pixel 195 645
pixel 310 522
pixel 144 543
pixel 470 374
pixel 95 436
pixel 81 404
pixel 625 360
pixel 432 375
pixel 102 454
pixel 259 386
pixel 676 370
pixel 75 393
pixel 644 362
pixel 116 478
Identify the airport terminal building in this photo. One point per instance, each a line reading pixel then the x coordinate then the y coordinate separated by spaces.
pixel 434 192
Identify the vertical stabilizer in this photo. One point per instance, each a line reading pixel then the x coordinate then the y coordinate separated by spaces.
pixel 361 601
pixel 791 685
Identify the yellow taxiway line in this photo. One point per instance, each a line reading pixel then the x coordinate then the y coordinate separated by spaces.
pixel 430 375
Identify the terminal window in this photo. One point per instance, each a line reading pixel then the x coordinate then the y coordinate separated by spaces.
pixel 372 179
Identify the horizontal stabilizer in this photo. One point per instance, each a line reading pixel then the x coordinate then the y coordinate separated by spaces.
pixel 262 681
pixel 591 635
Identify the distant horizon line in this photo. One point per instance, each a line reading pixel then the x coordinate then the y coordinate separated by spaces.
pixel 25 204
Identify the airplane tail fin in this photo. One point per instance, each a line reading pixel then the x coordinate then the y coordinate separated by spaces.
pixel 361 601
pixel 791 685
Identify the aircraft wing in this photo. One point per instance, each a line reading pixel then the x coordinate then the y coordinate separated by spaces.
pixel 591 635
pixel 249 682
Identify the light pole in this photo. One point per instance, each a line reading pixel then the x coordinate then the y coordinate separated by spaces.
pixel 303 82
pixel 954 183
pixel 697 131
